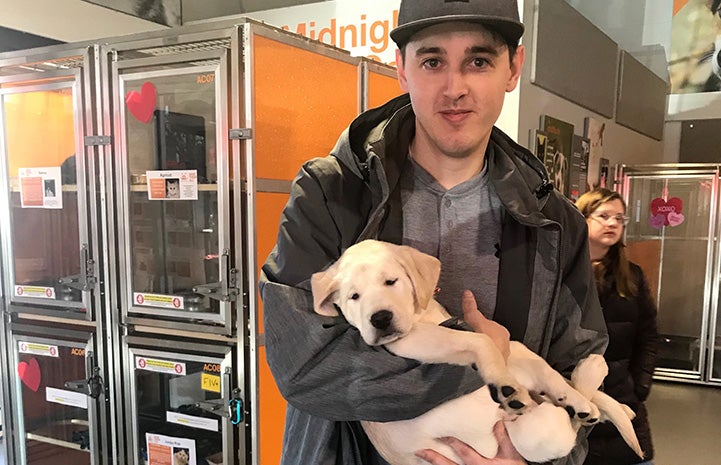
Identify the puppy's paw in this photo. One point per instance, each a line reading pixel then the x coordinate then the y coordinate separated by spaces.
pixel 588 416
pixel 513 398
pixel 589 374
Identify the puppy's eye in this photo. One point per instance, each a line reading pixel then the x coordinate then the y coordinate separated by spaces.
pixel 355 296
pixel 390 282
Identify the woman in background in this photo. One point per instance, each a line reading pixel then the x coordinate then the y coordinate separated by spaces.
pixel 630 315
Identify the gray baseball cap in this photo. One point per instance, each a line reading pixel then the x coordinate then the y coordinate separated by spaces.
pixel 415 15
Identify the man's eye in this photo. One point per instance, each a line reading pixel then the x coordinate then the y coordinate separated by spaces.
pixel 480 62
pixel 390 282
pixel 432 63
pixel 355 296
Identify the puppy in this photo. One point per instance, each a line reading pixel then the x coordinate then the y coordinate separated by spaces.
pixel 386 290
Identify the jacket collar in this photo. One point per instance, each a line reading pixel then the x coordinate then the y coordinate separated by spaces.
pixel 377 143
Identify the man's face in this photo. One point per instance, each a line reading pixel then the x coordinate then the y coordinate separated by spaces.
pixel 457 76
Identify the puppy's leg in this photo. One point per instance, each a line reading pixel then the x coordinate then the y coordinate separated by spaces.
pixel 538 376
pixel 430 343
pixel 589 374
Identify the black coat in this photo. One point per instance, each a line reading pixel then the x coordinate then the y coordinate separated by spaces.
pixel 631 357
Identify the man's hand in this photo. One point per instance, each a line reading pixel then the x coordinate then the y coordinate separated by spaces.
pixel 507 454
pixel 480 324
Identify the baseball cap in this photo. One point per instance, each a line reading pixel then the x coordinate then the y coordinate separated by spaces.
pixel 415 15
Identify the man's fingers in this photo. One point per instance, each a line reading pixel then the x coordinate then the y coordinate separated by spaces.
pixel 506 449
pixel 434 457
pixel 480 324
pixel 471 315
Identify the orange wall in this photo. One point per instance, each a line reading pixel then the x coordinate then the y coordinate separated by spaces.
pixel 39 129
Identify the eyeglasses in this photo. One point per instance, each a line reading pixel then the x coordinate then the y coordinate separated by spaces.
pixel 605 218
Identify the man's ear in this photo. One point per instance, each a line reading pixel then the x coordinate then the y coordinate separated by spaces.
pixel 401 71
pixel 516 67
pixel 424 271
pixel 324 286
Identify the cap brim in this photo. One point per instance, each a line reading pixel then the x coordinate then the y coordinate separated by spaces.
pixel 510 30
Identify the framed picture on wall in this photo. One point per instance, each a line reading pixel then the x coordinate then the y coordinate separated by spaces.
pixel 538 143
pixel 594 130
pixel 558 151
pixel 604 176
pixel 578 170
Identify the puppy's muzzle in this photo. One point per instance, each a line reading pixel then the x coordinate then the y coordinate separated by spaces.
pixel 382 319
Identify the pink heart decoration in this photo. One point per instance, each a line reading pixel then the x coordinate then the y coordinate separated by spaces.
pixel 29 373
pixel 674 219
pixel 142 105
pixel 664 207
pixel 657 221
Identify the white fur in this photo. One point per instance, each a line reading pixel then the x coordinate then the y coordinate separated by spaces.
pixel 373 277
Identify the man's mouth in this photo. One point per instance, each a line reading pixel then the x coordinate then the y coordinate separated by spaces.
pixel 455 116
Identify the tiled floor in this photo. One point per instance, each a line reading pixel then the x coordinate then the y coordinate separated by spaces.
pixel 685 424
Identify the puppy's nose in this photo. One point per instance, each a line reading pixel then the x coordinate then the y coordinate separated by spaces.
pixel 381 319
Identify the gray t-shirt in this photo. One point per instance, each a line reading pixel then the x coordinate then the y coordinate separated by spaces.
pixel 460 226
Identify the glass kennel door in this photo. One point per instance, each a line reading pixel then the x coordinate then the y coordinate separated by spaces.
pixel 181 403
pixel 671 236
pixel 173 181
pixel 48 260
pixel 56 391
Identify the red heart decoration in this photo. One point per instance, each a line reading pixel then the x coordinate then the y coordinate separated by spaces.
pixel 29 373
pixel 142 105
pixel 664 207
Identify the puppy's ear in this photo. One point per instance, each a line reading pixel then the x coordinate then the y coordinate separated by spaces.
pixel 424 271
pixel 324 286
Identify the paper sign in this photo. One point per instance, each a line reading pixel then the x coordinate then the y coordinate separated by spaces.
pixel 160 366
pixel 210 382
pixel 167 450
pixel 172 185
pixel 37 349
pixel 194 422
pixel 71 398
pixel 158 300
pixel 36 292
pixel 40 188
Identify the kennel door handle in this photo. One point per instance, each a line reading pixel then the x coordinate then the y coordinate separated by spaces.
pixel 93 386
pixel 225 290
pixel 85 280
pixel 215 407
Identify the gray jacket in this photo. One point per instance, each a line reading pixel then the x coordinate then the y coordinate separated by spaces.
pixel 329 376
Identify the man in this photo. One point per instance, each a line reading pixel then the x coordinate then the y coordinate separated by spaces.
pixel 429 170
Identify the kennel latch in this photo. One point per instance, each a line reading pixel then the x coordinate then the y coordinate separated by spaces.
pixel 93 386
pixel 85 280
pixel 225 290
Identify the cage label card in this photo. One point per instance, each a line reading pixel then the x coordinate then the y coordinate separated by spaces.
pixel 172 185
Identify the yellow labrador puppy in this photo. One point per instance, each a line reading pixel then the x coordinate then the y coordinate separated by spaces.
pixel 386 292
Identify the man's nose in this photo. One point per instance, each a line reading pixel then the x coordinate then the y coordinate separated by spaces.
pixel 456 86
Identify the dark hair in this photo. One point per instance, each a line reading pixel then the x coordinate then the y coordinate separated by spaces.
pixel 498 38
pixel 615 264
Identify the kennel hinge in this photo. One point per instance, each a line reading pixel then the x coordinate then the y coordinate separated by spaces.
pixel 240 134
pixel 98 140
